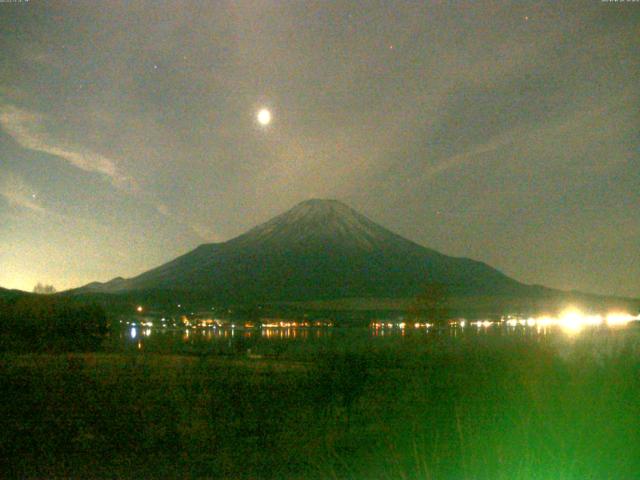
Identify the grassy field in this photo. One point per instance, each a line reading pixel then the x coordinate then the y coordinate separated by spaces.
pixel 408 408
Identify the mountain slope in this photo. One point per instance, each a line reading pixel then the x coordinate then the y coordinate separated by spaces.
pixel 9 294
pixel 320 249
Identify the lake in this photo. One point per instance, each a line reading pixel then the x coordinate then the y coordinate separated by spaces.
pixel 301 341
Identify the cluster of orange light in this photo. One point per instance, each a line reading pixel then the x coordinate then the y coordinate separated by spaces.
pixel 294 324
pixel 284 333
pixel 400 325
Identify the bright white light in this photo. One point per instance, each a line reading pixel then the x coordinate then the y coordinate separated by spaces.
pixel 593 320
pixel 618 318
pixel 571 320
pixel 482 323
pixel 264 117
pixel 545 321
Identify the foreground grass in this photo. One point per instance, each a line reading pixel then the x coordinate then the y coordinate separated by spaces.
pixel 412 409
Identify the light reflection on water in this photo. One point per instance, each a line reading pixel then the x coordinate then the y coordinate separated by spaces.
pixel 169 339
pixel 188 334
pixel 235 340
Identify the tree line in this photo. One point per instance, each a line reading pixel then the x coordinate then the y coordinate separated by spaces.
pixel 45 323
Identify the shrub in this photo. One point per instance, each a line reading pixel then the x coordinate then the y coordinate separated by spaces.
pixel 50 324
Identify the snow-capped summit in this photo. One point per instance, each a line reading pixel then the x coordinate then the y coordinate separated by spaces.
pixel 319 249
pixel 319 220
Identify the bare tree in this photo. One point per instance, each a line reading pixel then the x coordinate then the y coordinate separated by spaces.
pixel 44 289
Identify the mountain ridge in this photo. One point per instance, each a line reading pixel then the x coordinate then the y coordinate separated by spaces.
pixel 319 249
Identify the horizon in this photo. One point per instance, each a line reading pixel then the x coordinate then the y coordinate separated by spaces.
pixel 315 202
pixel 130 134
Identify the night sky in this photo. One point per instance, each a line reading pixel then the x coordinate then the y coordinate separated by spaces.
pixel 505 133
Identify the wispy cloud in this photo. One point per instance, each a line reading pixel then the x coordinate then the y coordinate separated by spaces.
pixel 26 128
pixel 203 232
pixel 15 191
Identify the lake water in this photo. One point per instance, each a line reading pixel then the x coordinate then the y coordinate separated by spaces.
pixel 258 342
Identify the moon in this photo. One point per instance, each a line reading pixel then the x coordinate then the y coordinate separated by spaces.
pixel 264 117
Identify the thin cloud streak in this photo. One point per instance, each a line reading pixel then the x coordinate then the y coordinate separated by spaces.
pixel 17 193
pixel 26 128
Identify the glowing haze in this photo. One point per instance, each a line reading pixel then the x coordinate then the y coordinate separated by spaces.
pixel 132 132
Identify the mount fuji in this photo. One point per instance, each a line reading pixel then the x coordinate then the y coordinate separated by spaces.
pixel 318 250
